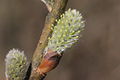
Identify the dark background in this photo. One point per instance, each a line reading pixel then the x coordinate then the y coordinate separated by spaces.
pixel 96 56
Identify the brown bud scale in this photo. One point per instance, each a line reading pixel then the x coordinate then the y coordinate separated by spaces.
pixel 49 62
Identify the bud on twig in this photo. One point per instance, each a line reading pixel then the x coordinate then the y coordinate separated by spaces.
pixel 16 65
pixel 49 4
pixel 49 62
pixel 65 34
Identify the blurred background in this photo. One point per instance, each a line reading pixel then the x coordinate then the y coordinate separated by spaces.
pixel 96 56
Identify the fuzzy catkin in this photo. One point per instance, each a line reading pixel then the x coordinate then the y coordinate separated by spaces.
pixel 16 65
pixel 66 32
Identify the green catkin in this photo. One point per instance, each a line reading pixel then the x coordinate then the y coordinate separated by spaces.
pixel 66 32
pixel 16 65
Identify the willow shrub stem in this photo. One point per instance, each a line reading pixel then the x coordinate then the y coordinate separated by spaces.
pixel 57 9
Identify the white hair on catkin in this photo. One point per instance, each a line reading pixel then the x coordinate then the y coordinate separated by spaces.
pixel 16 65
pixel 66 31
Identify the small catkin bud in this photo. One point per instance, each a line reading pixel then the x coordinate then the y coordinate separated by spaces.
pixel 16 65
pixel 49 4
pixel 66 32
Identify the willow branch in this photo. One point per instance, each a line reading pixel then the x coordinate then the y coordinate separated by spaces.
pixel 54 13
